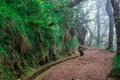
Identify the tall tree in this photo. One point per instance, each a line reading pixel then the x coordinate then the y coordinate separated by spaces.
pixel 111 23
pixel 91 35
pixel 116 7
pixel 81 30
pixel 98 21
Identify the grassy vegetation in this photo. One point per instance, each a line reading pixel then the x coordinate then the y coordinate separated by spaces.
pixel 115 72
pixel 28 30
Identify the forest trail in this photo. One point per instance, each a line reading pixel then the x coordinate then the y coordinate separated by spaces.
pixel 94 65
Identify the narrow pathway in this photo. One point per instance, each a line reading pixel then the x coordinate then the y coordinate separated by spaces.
pixel 94 65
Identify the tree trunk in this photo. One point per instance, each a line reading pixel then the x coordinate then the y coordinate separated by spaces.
pixel 111 23
pixel 91 35
pixel 81 30
pixel 98 22
pixel 116 4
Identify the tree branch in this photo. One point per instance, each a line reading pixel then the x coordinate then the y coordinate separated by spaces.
pixel 74 3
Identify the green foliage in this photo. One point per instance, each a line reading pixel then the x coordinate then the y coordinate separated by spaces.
pixel 117 62
pixel 113 50
pixel 28 30
pixel 115 72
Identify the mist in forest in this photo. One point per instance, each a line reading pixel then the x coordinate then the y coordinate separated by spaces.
pixel 96 21
pixel 81 37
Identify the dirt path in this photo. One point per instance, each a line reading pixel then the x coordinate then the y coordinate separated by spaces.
pixel 94 65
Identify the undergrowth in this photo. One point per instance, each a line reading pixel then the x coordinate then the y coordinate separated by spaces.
pixel 28 30
pixel 115 72
pixel 112 50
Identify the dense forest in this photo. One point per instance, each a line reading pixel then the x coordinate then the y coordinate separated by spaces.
pixel 37 32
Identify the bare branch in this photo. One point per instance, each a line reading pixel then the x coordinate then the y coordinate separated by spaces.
pixel 74 3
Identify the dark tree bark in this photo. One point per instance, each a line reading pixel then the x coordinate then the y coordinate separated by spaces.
pixel 116 7
pixel 81 32
pixel 111 23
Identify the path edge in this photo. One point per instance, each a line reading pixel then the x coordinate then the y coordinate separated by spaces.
pixel 47 67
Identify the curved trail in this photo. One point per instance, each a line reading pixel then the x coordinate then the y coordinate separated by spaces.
pixel 94 65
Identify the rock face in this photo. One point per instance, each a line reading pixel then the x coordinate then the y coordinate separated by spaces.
pixel 81 48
